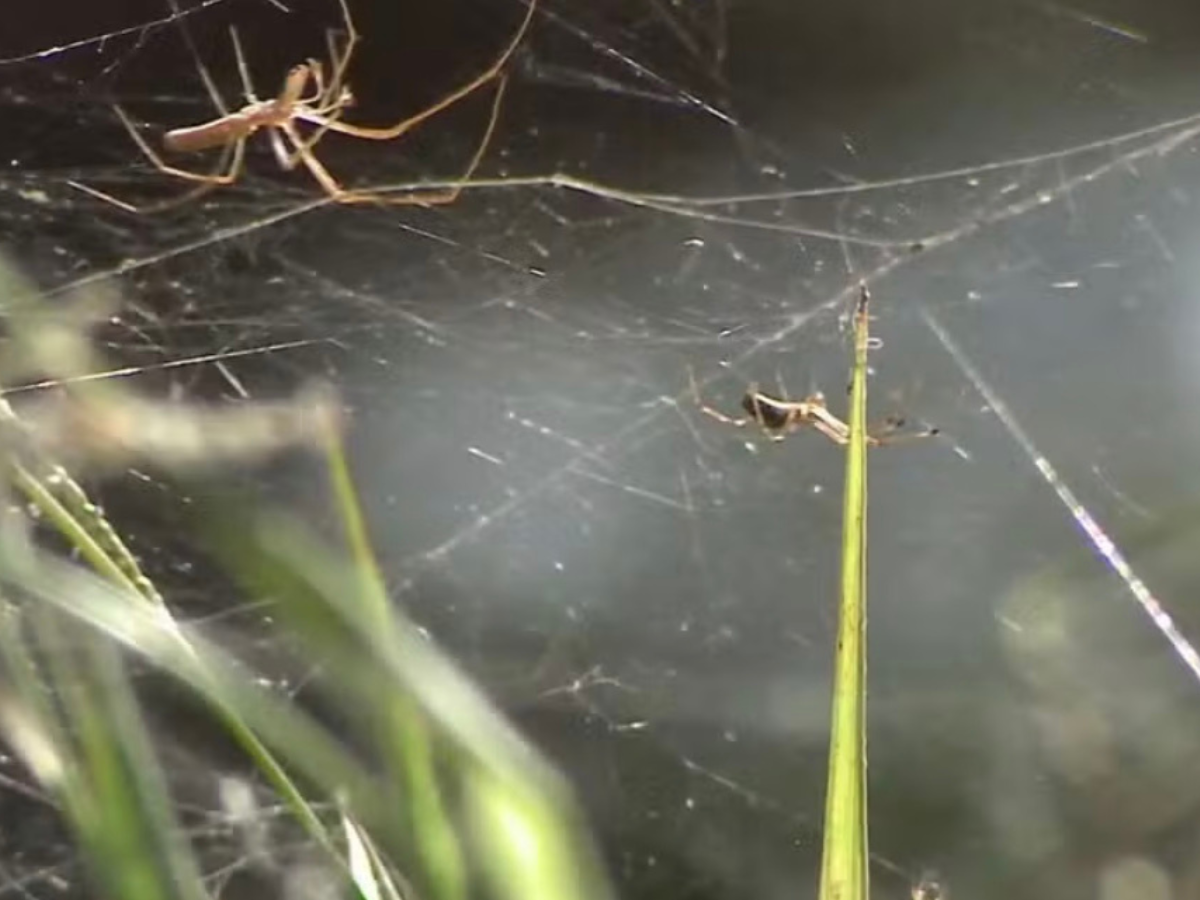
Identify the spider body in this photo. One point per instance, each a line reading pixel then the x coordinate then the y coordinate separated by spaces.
pixel 768 412
pixel 309 99
pixel 779 418
pixel 237 126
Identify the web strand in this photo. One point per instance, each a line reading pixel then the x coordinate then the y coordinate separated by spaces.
pixel 1100 541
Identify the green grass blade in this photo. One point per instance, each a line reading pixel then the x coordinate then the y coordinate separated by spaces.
pixel 91 752
pixel 435 788
pixel 844 873
pixel 53 341
pixel 406 743
pixel 86 541
pixel 387 662
pixel 530 840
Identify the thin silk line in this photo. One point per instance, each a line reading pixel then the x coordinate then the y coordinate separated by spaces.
pixel 1102 543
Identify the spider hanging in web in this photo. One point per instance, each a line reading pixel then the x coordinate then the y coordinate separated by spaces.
pixel 308 99
pixel 780 418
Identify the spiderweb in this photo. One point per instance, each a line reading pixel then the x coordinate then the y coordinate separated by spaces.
pixel 702 187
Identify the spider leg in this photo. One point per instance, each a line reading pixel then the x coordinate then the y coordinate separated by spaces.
pixel 227 171
pixel 708 410
pixel 885 434
pixel 150 208
pixel 320 93
pixel 491 73
pixel 321 109
pixel 315 167
pixel 818 415
pixel 736 423
pixel 887 424
pixel 232 166
pixel 327 95
pixel 209 85
pixel 324 124
pixel 834 434
pixel 331 122
pixel 888 431
pixel 908 436
pixel 340 62
pixel 324 177
pixel 419 197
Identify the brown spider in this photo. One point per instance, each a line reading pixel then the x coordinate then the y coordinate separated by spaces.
pixel 780 418
pixel 308 97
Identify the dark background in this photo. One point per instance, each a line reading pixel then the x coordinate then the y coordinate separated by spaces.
pixel 650 593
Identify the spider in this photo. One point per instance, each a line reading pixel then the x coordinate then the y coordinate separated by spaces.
pixel 308 97
pixel 780 418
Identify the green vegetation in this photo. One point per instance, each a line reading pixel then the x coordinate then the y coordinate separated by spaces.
pixel 844 869
pixel 424 790
pixel 426 793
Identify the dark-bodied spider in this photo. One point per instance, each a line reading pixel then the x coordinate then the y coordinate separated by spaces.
pixel 780 418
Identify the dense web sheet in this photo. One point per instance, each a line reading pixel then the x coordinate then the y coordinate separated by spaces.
pixel 680 188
